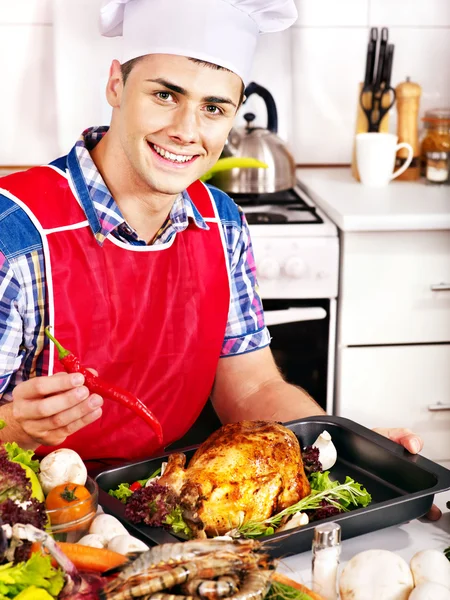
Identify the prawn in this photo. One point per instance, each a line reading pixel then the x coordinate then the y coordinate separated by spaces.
pixel 208 589
pixel 145 585
pixel 171 554
pixel 255 586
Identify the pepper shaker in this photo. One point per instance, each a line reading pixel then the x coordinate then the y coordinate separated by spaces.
pixel 408 96
pixel 326 550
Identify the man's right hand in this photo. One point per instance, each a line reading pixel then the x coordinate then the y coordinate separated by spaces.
pixel 48 409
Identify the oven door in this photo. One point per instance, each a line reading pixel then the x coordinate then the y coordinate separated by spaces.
pixel 303 340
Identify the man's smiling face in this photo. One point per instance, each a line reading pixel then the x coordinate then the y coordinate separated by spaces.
pixel 172 118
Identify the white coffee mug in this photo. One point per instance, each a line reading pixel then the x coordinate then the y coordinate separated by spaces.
pixel 375 157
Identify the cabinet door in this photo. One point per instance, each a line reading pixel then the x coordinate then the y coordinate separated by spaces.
pixel 399 386
pixel 390 292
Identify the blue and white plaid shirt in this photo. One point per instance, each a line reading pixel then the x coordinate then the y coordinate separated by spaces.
pixel 23 313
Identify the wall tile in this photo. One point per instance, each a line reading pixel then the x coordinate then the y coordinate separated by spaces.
pixel 27 105
pixel 81 60
pixel 326 13
pixel 272 69
pixel 421 55
pixel 37 12
pixel 327 66
pixel 410 13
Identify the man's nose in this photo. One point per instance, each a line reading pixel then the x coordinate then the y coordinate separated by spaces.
pixel 184 127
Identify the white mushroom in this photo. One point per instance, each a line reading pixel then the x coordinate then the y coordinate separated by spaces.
pixel 327 450
pixel 107 527
pixel 376 575
pixel 430 591
pixel 93 540
pixel 430 565
pixel 123 544
pixel 61 466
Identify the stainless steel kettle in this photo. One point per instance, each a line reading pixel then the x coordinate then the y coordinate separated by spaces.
pixel 262 144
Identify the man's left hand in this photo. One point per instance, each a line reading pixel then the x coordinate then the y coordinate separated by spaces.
pixel 414 444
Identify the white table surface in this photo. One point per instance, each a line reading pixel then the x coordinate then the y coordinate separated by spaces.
pixel 405 540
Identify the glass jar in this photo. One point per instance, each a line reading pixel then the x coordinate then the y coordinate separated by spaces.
pixel 437 135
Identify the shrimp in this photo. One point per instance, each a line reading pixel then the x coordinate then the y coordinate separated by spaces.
pixel 255 586
pixel 208 589
pixel 145 585
pixel 162 596
pixel 171 554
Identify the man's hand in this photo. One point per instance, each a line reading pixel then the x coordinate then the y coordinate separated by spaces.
pixel 414 444
pixel 48 409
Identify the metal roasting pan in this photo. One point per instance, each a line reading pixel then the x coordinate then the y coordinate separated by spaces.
pixel 402 485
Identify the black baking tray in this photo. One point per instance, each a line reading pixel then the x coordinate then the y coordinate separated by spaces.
pixel 402 485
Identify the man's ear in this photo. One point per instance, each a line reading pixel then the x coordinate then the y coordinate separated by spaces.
pixel 114 87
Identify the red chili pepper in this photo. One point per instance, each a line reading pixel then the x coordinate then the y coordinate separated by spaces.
pixel 135 486
pixel 96 385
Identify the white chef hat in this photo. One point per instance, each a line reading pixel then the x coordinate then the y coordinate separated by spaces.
pixel 223 32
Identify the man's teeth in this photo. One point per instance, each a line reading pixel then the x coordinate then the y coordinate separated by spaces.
pixel 170 156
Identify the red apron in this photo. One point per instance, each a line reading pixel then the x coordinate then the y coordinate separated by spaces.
pixel 150 319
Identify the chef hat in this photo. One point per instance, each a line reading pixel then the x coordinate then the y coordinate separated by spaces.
pixel 223 32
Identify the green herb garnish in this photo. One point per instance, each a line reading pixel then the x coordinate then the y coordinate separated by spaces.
pixel 340 495
pixel 281 591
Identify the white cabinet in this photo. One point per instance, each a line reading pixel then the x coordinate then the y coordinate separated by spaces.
pixel 393 344
pixel 399 386
pixel 389 288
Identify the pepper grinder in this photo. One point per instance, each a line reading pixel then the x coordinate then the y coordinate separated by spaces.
pixel 326 550
pixel 408 96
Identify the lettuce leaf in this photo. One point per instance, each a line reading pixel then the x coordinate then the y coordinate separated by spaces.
pixel 36 571
pixel 19 455
pixel 122 492
pixel 176 522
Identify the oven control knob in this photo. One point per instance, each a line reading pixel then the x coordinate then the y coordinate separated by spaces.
pixel 295 267
pixel 268 268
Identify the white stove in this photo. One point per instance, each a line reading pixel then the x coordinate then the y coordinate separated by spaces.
pixel 296 249
pixel 296 245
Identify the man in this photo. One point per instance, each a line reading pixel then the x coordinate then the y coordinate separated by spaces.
pixel 140 269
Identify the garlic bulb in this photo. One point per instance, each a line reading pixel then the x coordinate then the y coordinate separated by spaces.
pixel 327 450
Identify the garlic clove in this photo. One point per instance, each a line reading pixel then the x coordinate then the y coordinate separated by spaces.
pixel 298 520
pixel 327 450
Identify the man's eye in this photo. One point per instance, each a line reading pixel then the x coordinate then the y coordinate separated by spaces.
pixel 164 95
pixel 213 110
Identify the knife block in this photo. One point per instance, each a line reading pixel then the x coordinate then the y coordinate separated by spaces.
pixel 362 125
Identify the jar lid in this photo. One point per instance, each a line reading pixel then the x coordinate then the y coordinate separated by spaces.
pixel 437 115
pixel 326 535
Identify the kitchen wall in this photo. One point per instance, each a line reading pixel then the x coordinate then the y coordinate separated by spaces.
pixel 53 67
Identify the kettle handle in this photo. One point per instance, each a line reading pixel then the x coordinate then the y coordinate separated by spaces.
pixel 272 115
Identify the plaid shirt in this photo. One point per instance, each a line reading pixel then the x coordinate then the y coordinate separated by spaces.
pixel 23 312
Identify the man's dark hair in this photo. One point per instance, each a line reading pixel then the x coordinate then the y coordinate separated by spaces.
pixel 128 66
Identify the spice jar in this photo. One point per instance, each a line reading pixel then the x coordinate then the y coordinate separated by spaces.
pixel 326 550
pixel 435 140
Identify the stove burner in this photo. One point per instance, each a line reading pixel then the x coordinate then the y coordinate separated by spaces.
pixel 285 207
pixel 261 218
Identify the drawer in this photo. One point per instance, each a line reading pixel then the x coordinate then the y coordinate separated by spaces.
pixel 386 294
pixel 398 386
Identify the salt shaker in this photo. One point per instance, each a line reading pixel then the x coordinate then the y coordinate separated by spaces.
pixel 326 550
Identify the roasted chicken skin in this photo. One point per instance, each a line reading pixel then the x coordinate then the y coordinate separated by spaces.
pixel 244 471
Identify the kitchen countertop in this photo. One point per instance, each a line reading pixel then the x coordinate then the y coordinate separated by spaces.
pixel 405 540
pixel 400 206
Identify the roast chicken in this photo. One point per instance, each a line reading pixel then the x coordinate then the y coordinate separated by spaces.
pixel 244 471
